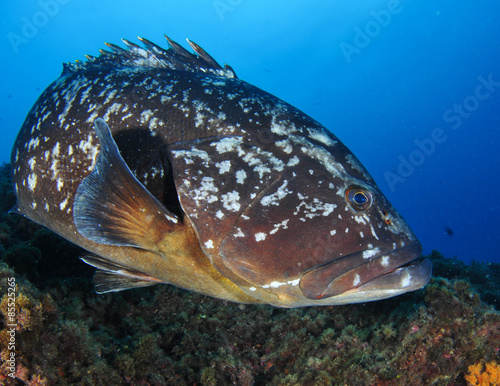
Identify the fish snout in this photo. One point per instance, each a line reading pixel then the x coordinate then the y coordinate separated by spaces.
pixel 376 273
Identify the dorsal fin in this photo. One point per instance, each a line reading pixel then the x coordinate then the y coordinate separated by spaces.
pixel 175 57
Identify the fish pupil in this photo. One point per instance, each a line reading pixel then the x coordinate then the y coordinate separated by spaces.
pixel 360 199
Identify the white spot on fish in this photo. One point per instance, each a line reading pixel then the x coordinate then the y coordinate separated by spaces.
pixel 277 284
pixel 32 181
pixel 239 233
pixel 261 169
pixel 368 254
pixel 114 108
pixel 60 184
pixel 384 262
pixel 165 98
pixel 146 116
pixel 373 232
pixel 202 194
pixel 219 214
pixel 277 227
pixel 360 220
pixel 209 244
pixel 228 144
pixel 33 143
pixel 199 119
pixel 241 175
pixel 356 280
pixel 333 232
pixel 110 96
pixel 286 146
pixel 314 208
pixel 86 146
pixel 85 94
pixel 224 166
pixel 253 289
pixel 56 149
pixel 231 201
pixel 273 199
pixel 63 204
pixel 406 279
pixel 293 161
pixel 260 236
pixel 321 136
pixel 32 163
pixel 188 155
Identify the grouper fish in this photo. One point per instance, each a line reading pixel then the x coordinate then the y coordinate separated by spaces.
pixel 167 168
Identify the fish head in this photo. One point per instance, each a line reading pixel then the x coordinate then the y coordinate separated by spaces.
pixel 333 248
pixel 316 233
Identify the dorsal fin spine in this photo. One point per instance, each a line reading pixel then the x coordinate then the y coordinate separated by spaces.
pixel 176 58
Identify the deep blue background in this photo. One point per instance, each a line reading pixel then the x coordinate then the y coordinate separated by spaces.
pixel 418 62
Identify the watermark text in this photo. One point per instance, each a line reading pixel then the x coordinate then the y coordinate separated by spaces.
pixel 11 326
pixel 454 118
pixel 364 36
pixel 222 7
pixel 30 26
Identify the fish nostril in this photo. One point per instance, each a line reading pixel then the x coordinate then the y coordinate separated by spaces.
pixel 387 217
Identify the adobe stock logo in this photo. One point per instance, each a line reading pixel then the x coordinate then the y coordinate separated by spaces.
pixel 223 6
pixel 363 37
pixel 453 116
pixel 31 25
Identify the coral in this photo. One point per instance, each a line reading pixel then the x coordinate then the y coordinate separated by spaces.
pixel 478 376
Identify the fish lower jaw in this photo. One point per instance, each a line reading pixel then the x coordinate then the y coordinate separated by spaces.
pixel 408 278
pixel 356 270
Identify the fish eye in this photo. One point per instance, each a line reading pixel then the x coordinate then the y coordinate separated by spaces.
pixel 359 198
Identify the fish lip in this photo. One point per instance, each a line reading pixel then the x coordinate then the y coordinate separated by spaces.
pixel 354 271
pixel 409 277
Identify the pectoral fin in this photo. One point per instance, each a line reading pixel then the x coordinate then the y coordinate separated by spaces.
pixel 112 277
pixel 112 207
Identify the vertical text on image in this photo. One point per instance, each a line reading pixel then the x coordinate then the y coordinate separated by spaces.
pixel 11 326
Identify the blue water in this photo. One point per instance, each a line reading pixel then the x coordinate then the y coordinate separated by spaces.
pixel 402 84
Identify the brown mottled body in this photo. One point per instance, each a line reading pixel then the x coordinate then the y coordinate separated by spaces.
pixel 168 168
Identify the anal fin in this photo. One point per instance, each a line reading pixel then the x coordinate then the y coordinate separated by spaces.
pixel 112 277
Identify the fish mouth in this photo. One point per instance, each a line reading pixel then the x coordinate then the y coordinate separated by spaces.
pixel 371 273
